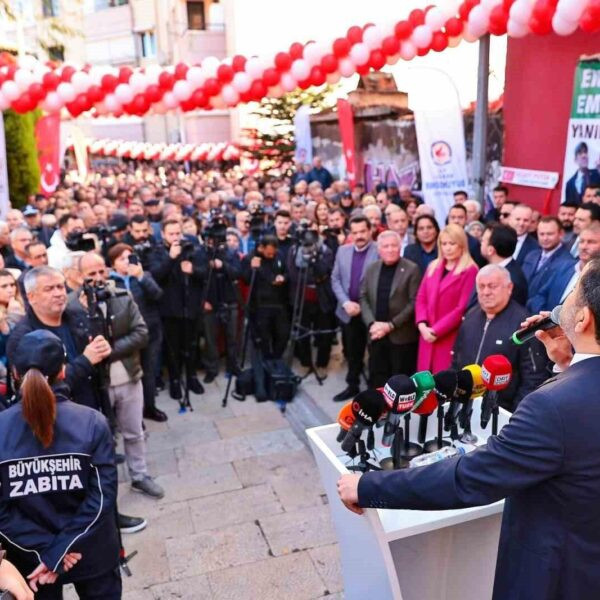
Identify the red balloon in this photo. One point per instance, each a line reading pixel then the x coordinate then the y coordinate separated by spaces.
pixel 238 63
pixel 109 83
pixel 245 97
pixel 363 69
pixel 23 104
pixel 187 105
pixel 199 99
pixel 124 74
pixel 181 70
pixel 416 17
pixel 283 62
pixel 37 92
pixel 439 42
pixel 304 84
pixel 211 87
pixel 271 77
pixel 66 73
pixel 296 51
pixel 257 90
pixel 463 11
pixel 590 20
pixel 454 27
pixel 317 76
pixel 354 34
pixel 390 46
pixel 140 104
pixel 506 4
pixel 95 93
pixel 73 108
pixel 50 81
pixel 12 69
pixel 341 47
pixel 154 93
pixel 498 20
pixel 422 51
pixel 403 30
pixel 166 81
pixel 329 64
pixel 376 60
pixel 225 73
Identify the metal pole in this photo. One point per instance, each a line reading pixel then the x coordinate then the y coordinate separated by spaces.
pixel 481 120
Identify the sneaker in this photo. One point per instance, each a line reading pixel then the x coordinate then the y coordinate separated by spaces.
pixel 155 414
pixel 175 389
pixel 130 524
pixel 195 386
pixel 148 486
pixel 209 377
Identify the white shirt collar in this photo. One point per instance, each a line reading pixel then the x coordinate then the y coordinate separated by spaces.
pixel 521 238
pixel 579 356
pixel 505 261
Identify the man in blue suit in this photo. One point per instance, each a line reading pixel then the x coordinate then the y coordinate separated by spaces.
pixel 545 462
pixel 520 221
pixel 561 281
pixel 542 263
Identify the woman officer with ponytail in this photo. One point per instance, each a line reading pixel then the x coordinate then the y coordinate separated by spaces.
pixel 58 482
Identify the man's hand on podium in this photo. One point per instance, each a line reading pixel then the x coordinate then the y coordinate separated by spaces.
pixel 347 486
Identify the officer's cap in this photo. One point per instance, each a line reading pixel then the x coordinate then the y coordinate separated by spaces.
pixel 42 350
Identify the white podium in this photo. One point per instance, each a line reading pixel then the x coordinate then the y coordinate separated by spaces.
pixel 407 554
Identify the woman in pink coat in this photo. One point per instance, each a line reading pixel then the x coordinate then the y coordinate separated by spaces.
pixel 442 299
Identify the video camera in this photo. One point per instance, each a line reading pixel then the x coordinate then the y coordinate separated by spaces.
pixel 216 230
pixel 307 239
pixel 257 222
pixel 187 250
pixel 84 241
pixel 95 292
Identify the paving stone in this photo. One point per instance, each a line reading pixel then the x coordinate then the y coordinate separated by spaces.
pixel 138 595
pixel 192 588
pixel 214 550
pixel 298 530
pixel 285 578
pixel 327 561
pixel 229 508
pixel 251 407
pixel 339 596
pixel 164 521
pixel 186 434
pixel 274 442
pixel 239 426
pixel 150 566
pixel 214 453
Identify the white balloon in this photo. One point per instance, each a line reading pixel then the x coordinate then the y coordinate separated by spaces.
pixel 562 27
pixel 153 73
pixel 159 108
pixel 182 90
pixel 570 10
pixel 312 54
pixel 333 78
pixel 469 37
pixel 275 92
pixel 478 21
pixel 422 36
pixel 300 70
pixel 254 68
pixel 81 82
pixel 392 60
pixel 111 103
pixel 170 101
pixel 230 95
pixel 217 102
pixel 195 76
pixel 28 62
pixel 4 102
pixel 449 9
pixel 408 50
pixel 489 4
pixel 288 83
pixel 96 74
pixel 138 82
pixel 66 92
pixel 346 67
pixel 454 41
pixel 10 90
pixel 520 12
pixel 53 102
pixel 124 93
pixel 241 82
pixel 373 37
pixel 210 65
pixel 435 19
pixel 23 78
pixel 359 54
pixel 516 29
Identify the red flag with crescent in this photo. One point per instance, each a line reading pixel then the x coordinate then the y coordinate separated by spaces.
pixel 47 134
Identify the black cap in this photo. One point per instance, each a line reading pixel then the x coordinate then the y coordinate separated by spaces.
pixel 119 222
pixel 42 350
pixel 30 211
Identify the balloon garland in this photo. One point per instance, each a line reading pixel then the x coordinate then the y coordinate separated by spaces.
pixel 214 84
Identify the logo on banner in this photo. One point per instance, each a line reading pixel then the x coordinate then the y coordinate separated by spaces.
pixel 441 153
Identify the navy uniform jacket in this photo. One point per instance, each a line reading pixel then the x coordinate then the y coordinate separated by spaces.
pixel 546 463
pixel 537 279
pixel 59 499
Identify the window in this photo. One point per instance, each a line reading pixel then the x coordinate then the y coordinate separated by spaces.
pixel 56 53
pixel 102 4
pixel 148 44
pixel 50 8
pixel 195 14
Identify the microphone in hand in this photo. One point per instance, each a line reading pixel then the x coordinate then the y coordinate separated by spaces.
pixel 527 333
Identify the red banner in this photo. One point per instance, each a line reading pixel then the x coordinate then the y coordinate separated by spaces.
pixel 47 134
pixel 346 123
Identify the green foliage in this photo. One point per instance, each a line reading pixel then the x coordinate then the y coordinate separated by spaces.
pixel 21 155
pixel 275 139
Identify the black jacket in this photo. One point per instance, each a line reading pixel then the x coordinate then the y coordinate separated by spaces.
pixel 222 283
pixel 146 293
pixel 264 293
pixel 475 342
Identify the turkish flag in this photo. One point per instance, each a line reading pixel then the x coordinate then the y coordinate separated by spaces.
pixel 346 124
pixel 47 134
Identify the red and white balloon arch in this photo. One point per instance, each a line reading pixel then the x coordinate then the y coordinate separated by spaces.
pixel 215 84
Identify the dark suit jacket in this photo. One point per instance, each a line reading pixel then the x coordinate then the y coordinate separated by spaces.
pixel 545 463
pixel 403 294
pixel 475 250
pixel 550 292
pixel 571 193
pixel 536 280
pixel 528 246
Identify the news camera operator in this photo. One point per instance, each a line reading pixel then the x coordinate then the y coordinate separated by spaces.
pixel 57 513
pixel 221 297
pixel 127 273
pixel 309 266
pixel 544 462
pixel 180 268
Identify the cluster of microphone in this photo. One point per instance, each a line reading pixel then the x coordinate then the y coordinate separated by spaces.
pixel 449 394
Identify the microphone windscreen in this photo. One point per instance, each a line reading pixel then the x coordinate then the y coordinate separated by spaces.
pixel 496 372
pixel 368 406
pixel 478 385
pixel 464 385
pixel 445 384
pixel 399 394
pixel 346 417
pixel 428 405
pixel 425 384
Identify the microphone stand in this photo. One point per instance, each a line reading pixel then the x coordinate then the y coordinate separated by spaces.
pixel 467 436
pixel 409 449
pixel 437 443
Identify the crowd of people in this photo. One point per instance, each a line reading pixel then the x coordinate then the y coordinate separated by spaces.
pixel 146 270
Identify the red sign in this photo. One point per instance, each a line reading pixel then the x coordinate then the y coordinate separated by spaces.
pixel 346 123
pixel 47 134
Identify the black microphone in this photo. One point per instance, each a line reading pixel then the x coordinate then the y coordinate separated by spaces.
pixel 522 336
pixel 367 406
pixel 400 395
pixel 464 389
pixel 446 383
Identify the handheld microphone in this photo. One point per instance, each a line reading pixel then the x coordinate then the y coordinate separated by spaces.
pixel 525 334
pixel 496 372
pixel 465 416
pixel 345 420
pixel 367 407
pixel 446 383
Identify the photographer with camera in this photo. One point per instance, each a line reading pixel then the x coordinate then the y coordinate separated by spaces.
pixel 221 297
pixel 128 334
pixel 309 264
pixel 180 269
pixel 127 273
pixel 69 229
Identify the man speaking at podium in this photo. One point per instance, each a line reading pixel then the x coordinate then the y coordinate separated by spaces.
pixel 545 462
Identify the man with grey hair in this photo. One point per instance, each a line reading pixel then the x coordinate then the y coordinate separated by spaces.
pixel 387 302
pixel 487 328
pixel 20 238
pixel 473 210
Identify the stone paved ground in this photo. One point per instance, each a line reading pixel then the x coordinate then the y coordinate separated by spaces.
pixel 244 515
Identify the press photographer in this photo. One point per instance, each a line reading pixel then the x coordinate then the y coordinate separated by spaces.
pixel 221 297
pixel 70 231
pixel 180 269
